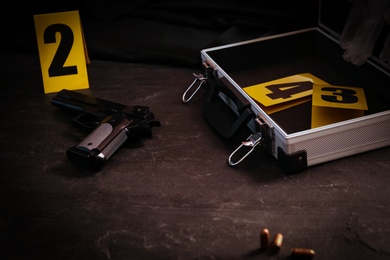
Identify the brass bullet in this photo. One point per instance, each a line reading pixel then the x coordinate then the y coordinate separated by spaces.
pixel 264 238
pixel 302 253
pixel 277 242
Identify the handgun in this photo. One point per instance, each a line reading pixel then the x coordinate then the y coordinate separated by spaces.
pixel 109 124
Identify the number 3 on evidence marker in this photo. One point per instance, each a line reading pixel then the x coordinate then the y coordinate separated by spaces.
pixel 339 97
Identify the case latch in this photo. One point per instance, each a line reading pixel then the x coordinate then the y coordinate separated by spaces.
pixel 201 78
pixel 252 141
pixel 267 131
pixel 264 136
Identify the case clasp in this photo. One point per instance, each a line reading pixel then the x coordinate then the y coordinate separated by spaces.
pixel 267 130
pixel 264 136
pixel 202 77
pixel 252 141
pixel 198 77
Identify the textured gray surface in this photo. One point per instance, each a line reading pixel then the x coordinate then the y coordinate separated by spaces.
pixel 172 196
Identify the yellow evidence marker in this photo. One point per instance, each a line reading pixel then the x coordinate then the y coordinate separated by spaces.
pixel 332 104
pixel 62 51
pixel 283 93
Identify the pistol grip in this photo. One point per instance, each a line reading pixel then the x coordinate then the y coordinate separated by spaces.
pixel 100 144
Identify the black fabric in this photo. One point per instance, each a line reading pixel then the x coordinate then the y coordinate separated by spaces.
pixel 161 31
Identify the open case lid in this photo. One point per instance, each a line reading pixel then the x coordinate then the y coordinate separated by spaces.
pixel 314 50
pixel 231 68
pixel 333 16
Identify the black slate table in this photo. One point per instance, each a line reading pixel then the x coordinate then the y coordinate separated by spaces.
pixel 172 196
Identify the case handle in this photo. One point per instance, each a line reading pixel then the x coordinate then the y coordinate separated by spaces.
pixel 219 115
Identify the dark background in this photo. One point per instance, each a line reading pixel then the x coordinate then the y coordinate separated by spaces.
pixel 172 196
pixel 160 31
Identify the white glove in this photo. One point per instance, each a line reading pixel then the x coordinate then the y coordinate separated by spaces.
pixel 364 24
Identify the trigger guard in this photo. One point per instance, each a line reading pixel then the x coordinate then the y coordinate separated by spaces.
pixel 86 121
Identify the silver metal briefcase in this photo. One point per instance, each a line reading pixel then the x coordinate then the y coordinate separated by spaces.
pixel 288 134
